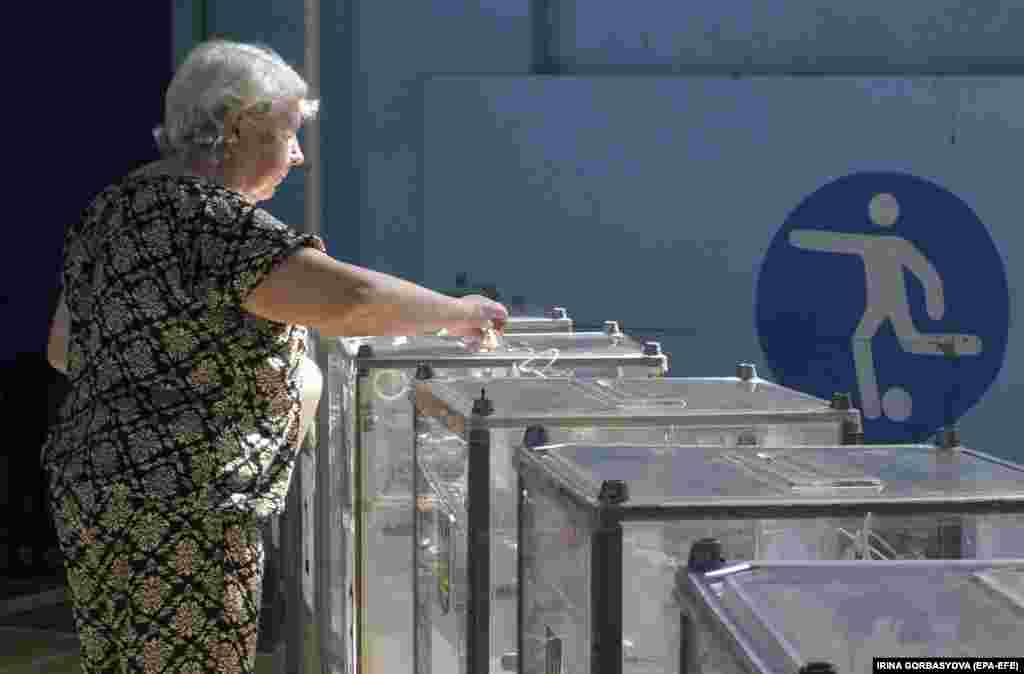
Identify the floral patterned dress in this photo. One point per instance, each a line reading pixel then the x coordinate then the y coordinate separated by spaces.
pixel 179 436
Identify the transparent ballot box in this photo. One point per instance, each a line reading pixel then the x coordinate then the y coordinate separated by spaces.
pixel 479 425
pixel 364 518
pixel 555 319
pixel 788 618
pixel 442 535
pixel 604 528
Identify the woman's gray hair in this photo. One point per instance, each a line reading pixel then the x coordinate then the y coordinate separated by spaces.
pixel 217 77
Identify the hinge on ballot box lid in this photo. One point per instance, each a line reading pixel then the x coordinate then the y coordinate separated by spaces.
pixel 613 492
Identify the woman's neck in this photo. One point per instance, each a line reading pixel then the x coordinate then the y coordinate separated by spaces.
pixel 178 166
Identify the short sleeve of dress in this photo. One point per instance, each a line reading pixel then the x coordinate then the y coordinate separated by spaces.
pixel 235 254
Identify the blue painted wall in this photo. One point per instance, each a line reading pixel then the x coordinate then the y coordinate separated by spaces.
pixel 877 36
pixel 653 200
pixel 398 44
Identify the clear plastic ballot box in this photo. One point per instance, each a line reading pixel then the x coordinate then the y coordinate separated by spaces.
pixel 605 528
pixel 789 617
pixel 357 499
pixel 474 428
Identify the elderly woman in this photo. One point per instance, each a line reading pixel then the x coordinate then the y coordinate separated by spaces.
pixel 182 329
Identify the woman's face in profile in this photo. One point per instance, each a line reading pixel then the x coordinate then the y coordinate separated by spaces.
pixel 265 149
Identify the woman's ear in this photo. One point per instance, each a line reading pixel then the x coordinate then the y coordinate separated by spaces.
pixel 232 126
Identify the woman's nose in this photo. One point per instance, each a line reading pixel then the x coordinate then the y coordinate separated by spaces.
pixel 295 156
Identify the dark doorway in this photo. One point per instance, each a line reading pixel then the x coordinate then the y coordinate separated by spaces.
pixel 86 90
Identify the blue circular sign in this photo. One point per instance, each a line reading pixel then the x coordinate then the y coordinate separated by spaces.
pixel 889 287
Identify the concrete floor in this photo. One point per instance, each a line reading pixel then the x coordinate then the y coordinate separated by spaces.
pixel 37 631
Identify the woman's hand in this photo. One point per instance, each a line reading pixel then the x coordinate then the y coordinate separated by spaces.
pixel 482 314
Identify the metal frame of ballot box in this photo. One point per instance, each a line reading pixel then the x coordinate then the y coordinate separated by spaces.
pixel 646 358
pixel 610 507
